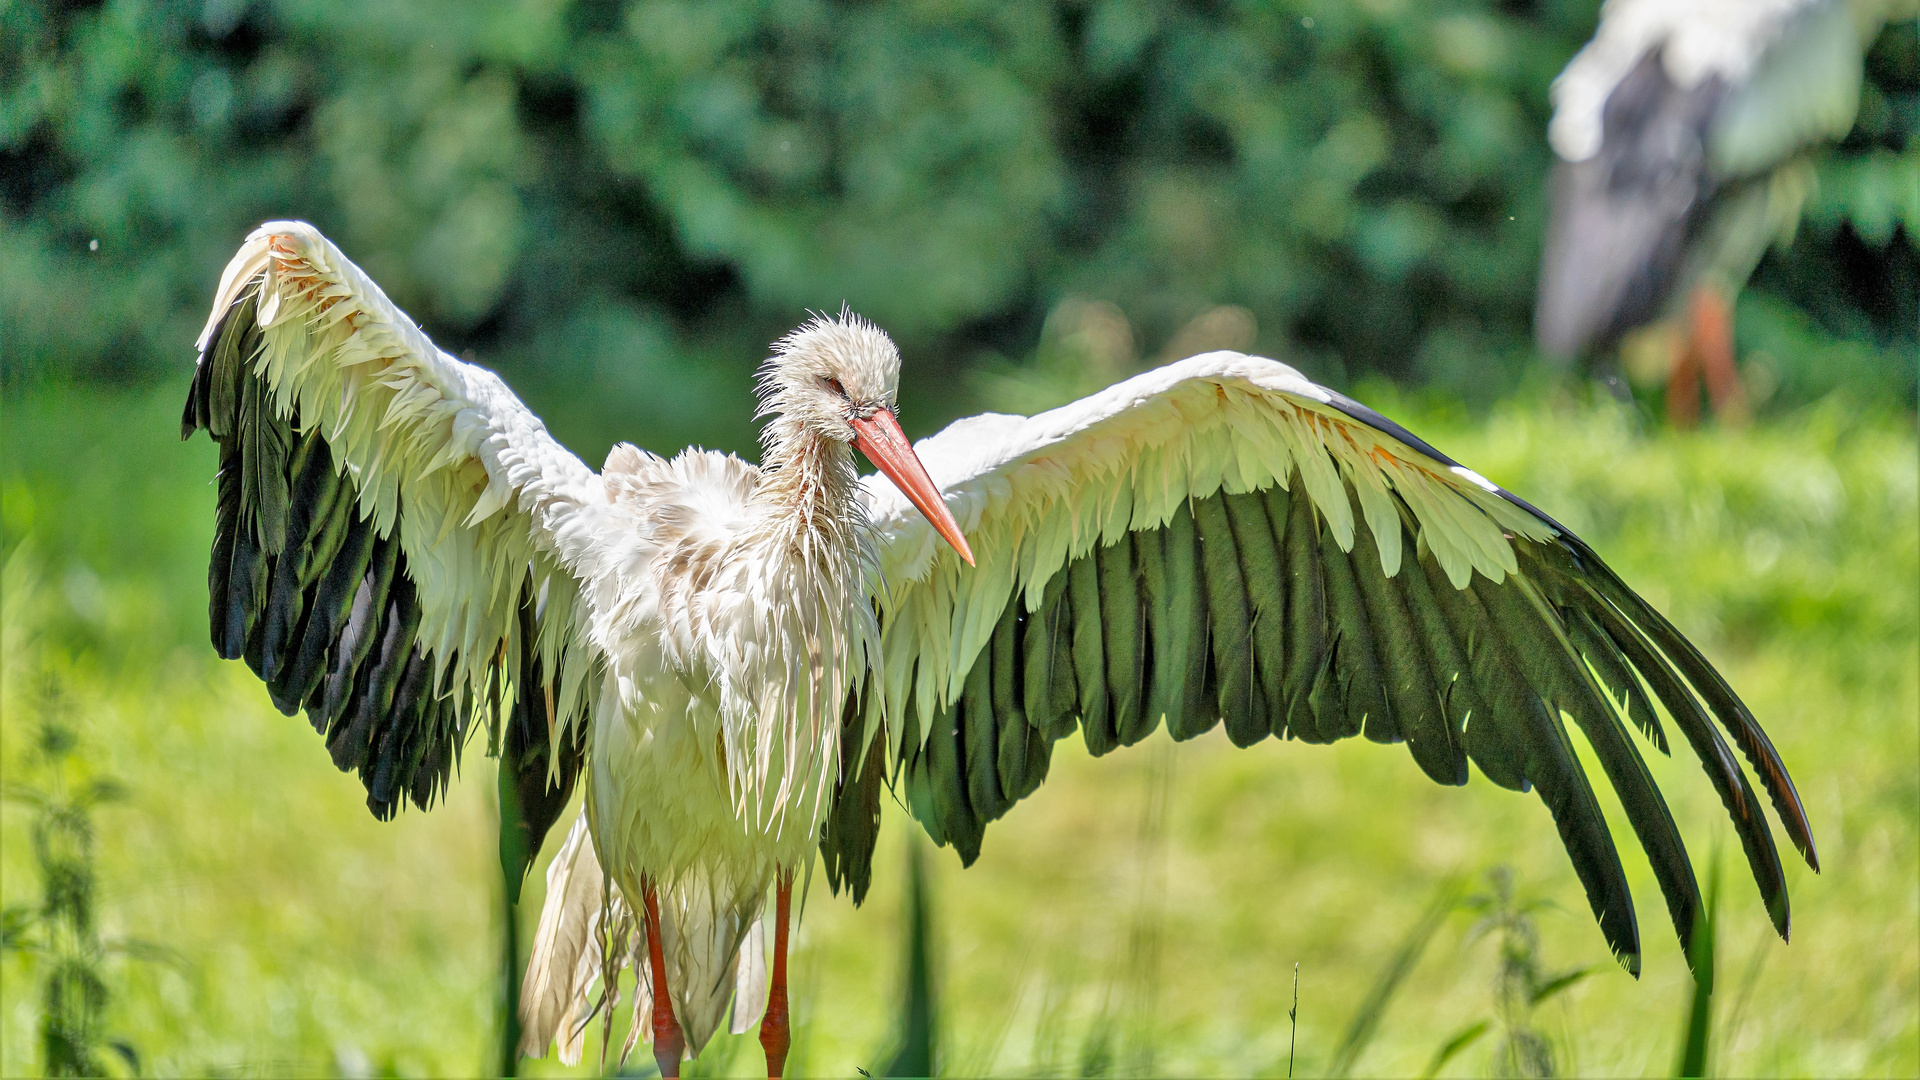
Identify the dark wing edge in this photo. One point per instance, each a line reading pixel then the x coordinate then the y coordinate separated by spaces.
pixel 323 608
pixel 1244 609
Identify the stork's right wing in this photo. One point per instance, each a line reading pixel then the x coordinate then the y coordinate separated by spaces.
pixel 1222 542
pixel 399 545
pixel 1804 89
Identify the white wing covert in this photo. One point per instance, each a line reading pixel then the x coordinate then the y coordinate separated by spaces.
pixel 1223 542
pixel 397 538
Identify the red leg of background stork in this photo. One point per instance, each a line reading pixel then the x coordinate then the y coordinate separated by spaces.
pixel 668 1042
pixel 1711 328
pixel 775 1036
pixel 1683 383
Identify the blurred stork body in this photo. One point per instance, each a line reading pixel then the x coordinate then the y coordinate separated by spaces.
pixel 741 658
pixel 1682 131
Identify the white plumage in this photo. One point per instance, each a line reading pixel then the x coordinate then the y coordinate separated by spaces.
pixel 1696 40
pixel 753 650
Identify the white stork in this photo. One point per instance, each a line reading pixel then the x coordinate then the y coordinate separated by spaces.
pixel 741 657
pixel 1682 130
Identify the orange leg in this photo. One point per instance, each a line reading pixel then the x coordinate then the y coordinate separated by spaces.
pixel 1711 328
pixel 775 1037
pixel 1683 384
pixel 668 1042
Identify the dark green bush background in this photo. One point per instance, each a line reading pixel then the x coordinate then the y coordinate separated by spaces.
pixel 619 204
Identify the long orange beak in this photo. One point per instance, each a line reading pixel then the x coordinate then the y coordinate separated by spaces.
pixel 880 438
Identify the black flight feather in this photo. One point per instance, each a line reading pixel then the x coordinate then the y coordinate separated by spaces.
pixel 944 760
pixel 1089 655
pixel 1557 775
pixel 1719 697
pixel 333 600
pixel 1358 671
pixel 1260 570
pixel 852 827
pixel 1716 758
pixel 246 595
pixel 1493 695
pixel 1445 657
pixel 1049 690
pixel 1191 708
pixel 982 741
pixel 1307 629
pixel 360 633
pixel 1616 675
pixel 1023 752
pixel 1124 632
pixel 226 527
pixel 1231 624
pixel 1561 675
pixel 1402 649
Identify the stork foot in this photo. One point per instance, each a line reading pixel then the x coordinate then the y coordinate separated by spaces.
pixel 668 1046
pixel 775 1036
pixel 669 1043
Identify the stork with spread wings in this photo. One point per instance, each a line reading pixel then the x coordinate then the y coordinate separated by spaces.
pixel 741 658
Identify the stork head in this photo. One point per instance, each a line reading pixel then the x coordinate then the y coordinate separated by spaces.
pixel 836 378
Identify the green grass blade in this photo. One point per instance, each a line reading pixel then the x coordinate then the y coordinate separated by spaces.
pixel 919 1013
pixel 1366 1019
pixel 1697 1043
pixel 1451 1049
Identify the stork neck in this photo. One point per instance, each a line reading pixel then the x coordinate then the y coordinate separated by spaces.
pixel 808 484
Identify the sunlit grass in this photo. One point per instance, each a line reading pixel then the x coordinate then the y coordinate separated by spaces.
pixel 318 940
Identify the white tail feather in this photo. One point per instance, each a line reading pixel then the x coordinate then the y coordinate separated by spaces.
pixel 750 984
pixel 703 925
pixel 567 950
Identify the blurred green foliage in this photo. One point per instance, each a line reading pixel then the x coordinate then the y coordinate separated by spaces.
pixel 636 197
pixel 60 935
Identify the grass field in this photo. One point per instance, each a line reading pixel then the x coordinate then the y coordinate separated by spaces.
pixel 1141 914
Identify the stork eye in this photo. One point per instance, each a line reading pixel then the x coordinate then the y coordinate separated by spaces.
pixel 834 385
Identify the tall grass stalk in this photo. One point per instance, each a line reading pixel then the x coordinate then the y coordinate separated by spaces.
pixel 1122 1040
pixel 1293 1018
pixel 916 1032
pixel 1521 984
pixel 61 934
pixel 1366 1019
pixel 1736 1016
pixel 1696 1041
pixel 506 1056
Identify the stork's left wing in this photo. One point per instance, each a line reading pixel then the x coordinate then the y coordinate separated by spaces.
pixel 399 545
pixel 1223 541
